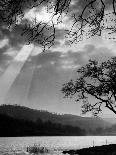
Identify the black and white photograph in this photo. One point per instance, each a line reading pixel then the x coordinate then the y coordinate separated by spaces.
pixel 57 77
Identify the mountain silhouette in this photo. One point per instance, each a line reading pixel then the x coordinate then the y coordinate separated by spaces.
pixel 25 113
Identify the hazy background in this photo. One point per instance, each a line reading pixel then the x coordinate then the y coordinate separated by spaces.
pixel 34 79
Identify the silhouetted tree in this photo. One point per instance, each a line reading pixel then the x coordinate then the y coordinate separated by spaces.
pixel 96 80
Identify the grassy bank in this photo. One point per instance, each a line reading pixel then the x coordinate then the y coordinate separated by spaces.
pixel 97 150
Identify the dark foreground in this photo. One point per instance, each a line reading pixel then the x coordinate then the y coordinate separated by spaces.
pixel 97 150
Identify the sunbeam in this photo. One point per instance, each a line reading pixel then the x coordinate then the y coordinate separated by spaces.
pixel 31 82
pixel 19 90
pixel 9 76
pixel 31 79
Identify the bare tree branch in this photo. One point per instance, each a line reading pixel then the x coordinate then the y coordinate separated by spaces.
pixel 13 11
pixel 93 20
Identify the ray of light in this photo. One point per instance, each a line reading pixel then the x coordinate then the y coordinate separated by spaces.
pixel 9 62
pixel 9 76
pixel 31 83
pixel 31 79
pixel 19 90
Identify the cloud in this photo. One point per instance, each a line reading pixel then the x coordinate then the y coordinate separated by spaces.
pixel 56 44
pixel 97 53
pixel 4 58
pixel 48 57
pixel 14 37
pixel 56 60
pixel 78 6
pixel 71 60
pixel 89 51
pixel 10 11
pixel 91 13
pixel 13 34
pixel 17 40
pixel 49 71
pixel 102 54
pixel 3 43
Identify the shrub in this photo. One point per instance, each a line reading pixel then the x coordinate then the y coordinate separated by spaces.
pixel 36 149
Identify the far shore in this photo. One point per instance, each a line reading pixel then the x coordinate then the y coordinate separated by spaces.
pixel 97 150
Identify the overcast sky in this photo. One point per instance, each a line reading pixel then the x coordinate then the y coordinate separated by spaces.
pixel 34 79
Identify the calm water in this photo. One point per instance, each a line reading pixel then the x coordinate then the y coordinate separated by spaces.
pixel 17 145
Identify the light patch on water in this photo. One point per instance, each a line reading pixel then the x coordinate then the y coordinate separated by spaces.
pixel 55 145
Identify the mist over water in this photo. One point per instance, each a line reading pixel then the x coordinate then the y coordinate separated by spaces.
pixel 56 144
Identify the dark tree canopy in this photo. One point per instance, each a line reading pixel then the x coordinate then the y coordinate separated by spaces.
pixel 96 80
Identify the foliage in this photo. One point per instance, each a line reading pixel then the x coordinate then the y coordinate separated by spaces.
pixel 96 80
pixel 37 149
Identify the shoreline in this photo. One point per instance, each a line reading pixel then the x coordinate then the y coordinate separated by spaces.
pixel 95 150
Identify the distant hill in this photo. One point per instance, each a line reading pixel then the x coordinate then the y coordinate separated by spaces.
pixel 14 127
pixel 110 120
pixel 25 113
